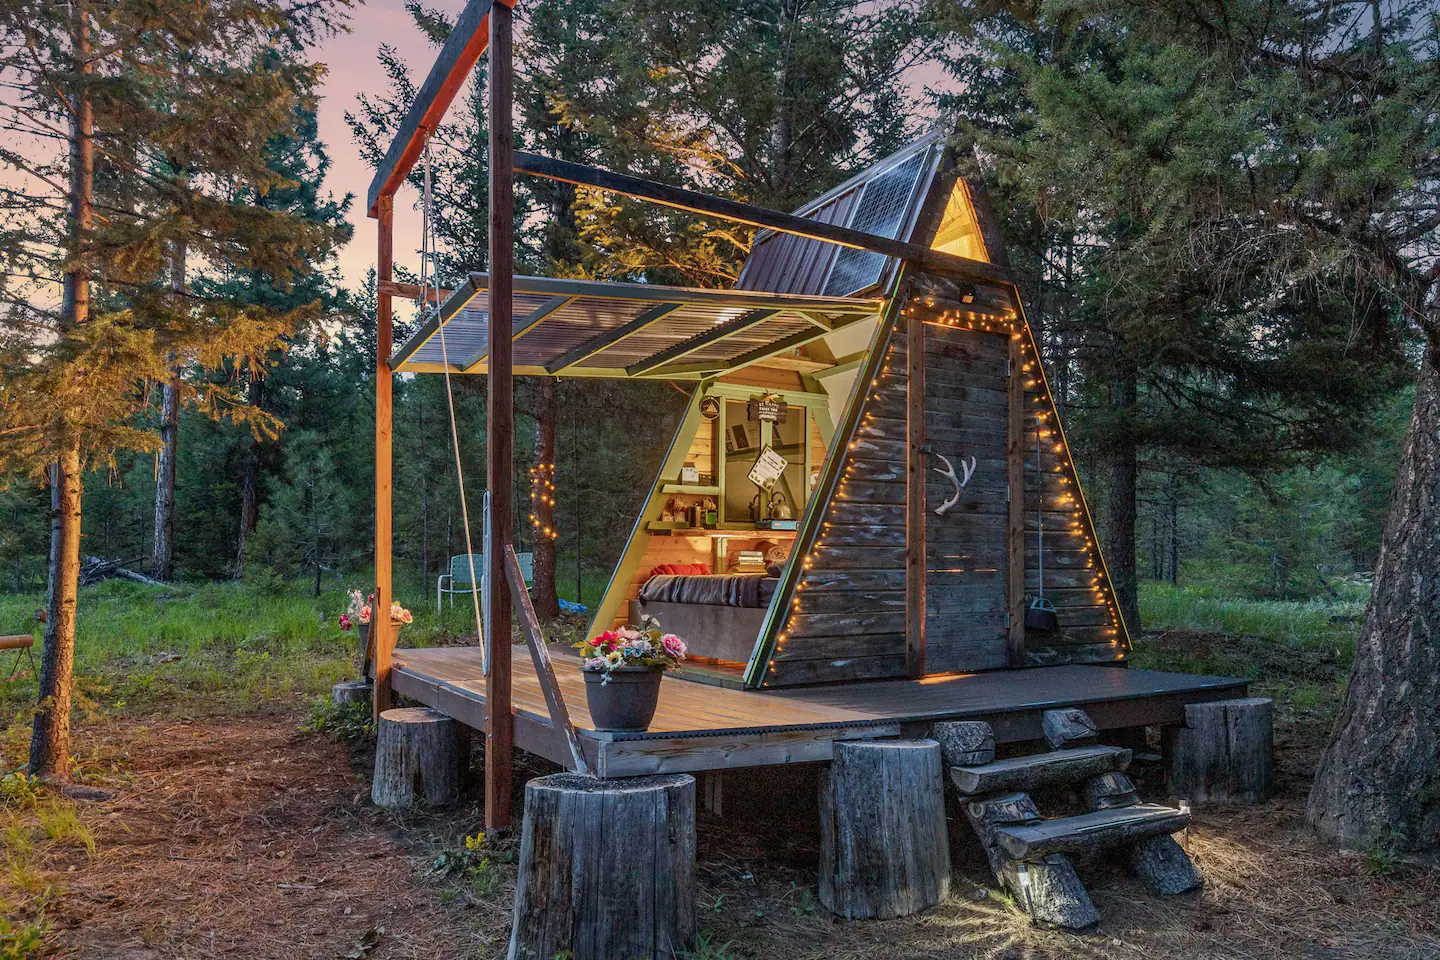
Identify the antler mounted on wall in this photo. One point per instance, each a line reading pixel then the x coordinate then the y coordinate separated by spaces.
pixel 949 472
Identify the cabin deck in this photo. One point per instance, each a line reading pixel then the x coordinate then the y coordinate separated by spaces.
pixel 701 726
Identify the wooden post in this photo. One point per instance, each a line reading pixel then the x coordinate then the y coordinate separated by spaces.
pixel 500 419
pixel 916 451
pixel 1015 526
pixel 418 754
pixel 383 491
pixel 607 869
pixel 1224 753
pixel 884 849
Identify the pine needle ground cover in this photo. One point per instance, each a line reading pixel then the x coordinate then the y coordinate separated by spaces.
pixel 220 813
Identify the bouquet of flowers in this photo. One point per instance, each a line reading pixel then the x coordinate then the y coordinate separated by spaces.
pixel 643 646
pixel 359 610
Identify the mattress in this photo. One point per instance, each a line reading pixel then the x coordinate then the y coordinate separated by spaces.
pixel 721 589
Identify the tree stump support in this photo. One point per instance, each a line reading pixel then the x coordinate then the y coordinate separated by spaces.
pixel 1158 862
pixel 1225 753
pixel 884 850
pixel 1049 889
pixel 418 755
pixel 351 691
pixel 607 869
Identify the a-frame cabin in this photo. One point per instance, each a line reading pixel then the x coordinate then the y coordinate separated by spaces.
pixel 877 583
pixel 883 320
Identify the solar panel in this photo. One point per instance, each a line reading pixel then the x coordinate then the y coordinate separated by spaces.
pixel 882 211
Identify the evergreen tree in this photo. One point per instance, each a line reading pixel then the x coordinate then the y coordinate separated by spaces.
pixel 1262 182
pixel 104 218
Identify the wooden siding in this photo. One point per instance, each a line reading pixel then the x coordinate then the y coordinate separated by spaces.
pixel 847 619
pixel 967 548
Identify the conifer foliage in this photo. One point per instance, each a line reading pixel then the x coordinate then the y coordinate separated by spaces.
pixel 141 130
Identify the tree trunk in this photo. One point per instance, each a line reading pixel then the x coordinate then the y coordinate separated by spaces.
pixel 542 501
pixel 1124 471
pixel 1379 779
pixel 50 735
pixel 249 483
pixel 163 556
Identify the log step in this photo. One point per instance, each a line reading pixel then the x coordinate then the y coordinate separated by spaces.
pixel 1089 831
pixel 1027 773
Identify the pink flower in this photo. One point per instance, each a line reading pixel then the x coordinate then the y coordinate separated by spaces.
pixel 629 633
pixel 365 613
pixel 345 623
pixel 673 645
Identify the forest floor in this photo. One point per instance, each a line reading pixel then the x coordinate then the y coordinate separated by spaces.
pixel 240 826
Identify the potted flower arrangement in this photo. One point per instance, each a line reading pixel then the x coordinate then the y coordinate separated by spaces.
pixel 622 670
pixel 357 617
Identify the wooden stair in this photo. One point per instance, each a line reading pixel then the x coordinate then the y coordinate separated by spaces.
pixel 1027 773
pixel 1029 853
pixel 1090 831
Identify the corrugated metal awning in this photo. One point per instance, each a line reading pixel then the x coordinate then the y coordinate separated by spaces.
pixel 592 328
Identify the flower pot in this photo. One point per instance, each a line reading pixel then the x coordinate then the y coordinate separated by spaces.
pixel 623 698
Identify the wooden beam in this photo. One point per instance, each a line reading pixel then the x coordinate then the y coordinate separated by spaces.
pixel 500 419
pixel 607 340
pixel 758 355
pixel 544 669
pixel 916 516
pixel 382 635
pixel 467 41
pixel 1015 521
pixel 411 291
pixel 523 325
pixel 754 216
pixel 715 334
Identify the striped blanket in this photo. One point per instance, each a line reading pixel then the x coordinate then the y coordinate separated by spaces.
pixel 726 590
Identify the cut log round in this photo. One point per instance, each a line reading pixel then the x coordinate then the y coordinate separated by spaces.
pixel 884 850
pixel 417 756
pixel 964 743
pixel 1054 893
pixel 607 868
pixel 351 691
pixel 1070 727
pixel 1225 753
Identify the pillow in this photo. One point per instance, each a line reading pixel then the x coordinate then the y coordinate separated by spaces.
pixel 680 570
pixel 774 570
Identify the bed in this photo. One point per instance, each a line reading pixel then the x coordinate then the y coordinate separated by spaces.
pixel 718 615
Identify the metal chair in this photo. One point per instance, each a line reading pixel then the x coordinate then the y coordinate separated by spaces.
pixel 458 579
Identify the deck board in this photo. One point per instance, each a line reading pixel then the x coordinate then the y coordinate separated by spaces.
pixel 703 726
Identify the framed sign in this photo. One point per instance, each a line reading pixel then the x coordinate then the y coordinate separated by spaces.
pixel 768 468
pixel 709 408
pixel 767 410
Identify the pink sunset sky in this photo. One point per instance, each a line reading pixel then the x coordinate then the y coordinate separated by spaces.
pixel 354 69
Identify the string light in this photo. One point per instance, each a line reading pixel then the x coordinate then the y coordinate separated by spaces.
pixel 542 491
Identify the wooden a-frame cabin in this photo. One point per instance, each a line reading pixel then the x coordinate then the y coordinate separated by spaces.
pixel 930 490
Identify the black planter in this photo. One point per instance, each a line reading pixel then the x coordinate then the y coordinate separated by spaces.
pixel 627 701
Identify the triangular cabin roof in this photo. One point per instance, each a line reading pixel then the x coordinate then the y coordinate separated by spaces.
pixel 828 328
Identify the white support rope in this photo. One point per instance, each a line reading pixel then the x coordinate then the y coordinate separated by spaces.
pixel 426 252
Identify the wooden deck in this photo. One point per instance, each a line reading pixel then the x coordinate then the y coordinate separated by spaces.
pixel 702 726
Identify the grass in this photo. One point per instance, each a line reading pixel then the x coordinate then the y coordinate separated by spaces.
pixel 228 647
pixel 1247 637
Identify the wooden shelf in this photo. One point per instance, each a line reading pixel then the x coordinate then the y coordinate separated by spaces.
pixel 689 488
pixel 743 530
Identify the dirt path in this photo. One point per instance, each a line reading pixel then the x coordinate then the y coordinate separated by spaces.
pixel 245 838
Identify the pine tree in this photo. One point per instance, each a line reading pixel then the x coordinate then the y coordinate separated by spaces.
pixel 98 88
pixel 1262 184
